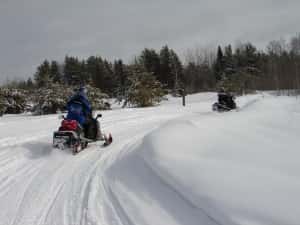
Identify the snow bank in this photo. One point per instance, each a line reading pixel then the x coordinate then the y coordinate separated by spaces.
pixel 142 193
pixel 235 168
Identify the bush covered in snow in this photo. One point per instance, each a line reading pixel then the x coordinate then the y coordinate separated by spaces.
pixel 12 100
pixel 46 100
pixel 50 99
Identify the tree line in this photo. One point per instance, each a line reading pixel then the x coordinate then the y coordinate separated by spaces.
pixel 111 77
pixel 244 68
pixel 153 73
pixel 248 69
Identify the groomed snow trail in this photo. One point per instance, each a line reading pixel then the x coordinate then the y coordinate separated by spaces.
pixel 164 167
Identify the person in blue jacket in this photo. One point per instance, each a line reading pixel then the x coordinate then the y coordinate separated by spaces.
pixel 79 107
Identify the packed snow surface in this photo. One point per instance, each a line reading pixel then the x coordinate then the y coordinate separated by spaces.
pixel 167 165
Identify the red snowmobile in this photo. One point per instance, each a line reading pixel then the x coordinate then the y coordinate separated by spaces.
pixel 72 135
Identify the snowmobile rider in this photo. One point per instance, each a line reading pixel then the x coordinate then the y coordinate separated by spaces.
pixel 226 99
pixel 222 97
pixel 79 109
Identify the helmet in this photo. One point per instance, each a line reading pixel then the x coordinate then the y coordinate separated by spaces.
pixel 83 90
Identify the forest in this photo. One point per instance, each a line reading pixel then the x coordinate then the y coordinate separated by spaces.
pixel 152 74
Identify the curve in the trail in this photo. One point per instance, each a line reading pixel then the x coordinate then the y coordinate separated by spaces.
pixel 136 190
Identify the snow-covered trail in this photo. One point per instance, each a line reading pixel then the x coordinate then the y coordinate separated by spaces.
pixel 142 177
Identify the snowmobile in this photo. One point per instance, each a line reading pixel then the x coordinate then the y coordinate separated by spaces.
pixel 226 104
pixel 72 135
pixel 222 107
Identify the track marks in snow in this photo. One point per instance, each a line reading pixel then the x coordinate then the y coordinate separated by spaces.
pixel 14 141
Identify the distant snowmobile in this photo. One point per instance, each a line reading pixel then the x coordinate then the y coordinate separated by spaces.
pixel 225 102
pixel 72 135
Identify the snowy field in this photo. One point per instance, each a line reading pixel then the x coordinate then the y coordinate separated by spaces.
pixel 168 165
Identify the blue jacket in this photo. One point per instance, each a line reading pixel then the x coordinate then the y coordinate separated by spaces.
pixel 79 108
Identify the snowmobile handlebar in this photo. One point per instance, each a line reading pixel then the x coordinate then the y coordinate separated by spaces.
pixel 98 116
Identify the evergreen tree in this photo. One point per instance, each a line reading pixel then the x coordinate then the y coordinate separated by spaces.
pixel 55 75
pixel 108 85
pixel 43 75
pixel 121 77
pixel 29 84
pixel 84 76
pixel 150 60
pixel 73 74
pixel 219 64
pixel 96 71
pixel 165 76
pixel 241 78
pixel 228 61
pixel 144 90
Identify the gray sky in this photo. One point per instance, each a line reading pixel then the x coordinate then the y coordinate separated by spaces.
pixel 33 30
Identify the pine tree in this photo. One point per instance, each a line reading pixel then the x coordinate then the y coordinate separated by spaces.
pixel 108 85
pixel 165 76
pixel 219 64
pixel 228 61
pixel 121 77
pixel 73 74
pixel 144 90
pixel 43 75
pixel 96 71
pixel 29 84
pixel 55 75
pixel 241 78
pixel 150 60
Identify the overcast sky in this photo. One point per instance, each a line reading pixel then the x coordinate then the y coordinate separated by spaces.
pixel 33 30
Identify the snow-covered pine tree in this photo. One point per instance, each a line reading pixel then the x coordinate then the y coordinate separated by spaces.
pixel 144 90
